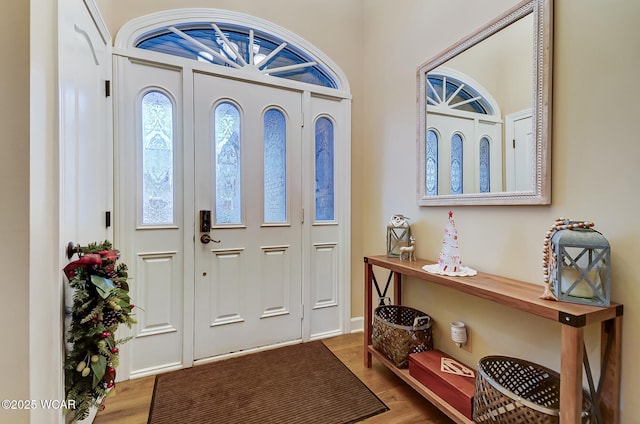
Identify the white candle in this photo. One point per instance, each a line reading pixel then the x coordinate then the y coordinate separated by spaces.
pixel 569 274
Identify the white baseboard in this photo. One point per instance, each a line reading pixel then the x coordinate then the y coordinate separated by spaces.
pixel 357 325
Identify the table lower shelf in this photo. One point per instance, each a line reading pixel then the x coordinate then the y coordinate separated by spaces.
pixel 436 400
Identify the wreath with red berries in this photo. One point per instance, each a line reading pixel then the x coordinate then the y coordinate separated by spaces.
pixel 101 303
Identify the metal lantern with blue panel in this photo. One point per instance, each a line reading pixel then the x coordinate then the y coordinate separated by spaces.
pixel 398 234
pixel 580 264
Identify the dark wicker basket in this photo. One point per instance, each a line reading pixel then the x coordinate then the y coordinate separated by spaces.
pixel 510 390
pixel 401 330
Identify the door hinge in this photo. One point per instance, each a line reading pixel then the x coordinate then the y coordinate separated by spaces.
pixel 514 143
pixel 107 88
pixel 302 216
pixel 301 311
pixel 107 219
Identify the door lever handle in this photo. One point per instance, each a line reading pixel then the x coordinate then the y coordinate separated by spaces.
pixel 206 238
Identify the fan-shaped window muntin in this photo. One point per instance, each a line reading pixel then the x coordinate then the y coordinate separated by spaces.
pixel 238 47
pixel 447 92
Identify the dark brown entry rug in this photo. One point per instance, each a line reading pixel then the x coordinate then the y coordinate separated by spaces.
pixel 299 384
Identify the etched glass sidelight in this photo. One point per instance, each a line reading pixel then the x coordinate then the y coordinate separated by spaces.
pixel 456 164
pixel 324 170
pixel 431 164
pixel 485 173
pixel 228 177
pixel 157 159
pixel 275 167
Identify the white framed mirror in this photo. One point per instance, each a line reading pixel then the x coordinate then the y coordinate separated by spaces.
pixel 484 114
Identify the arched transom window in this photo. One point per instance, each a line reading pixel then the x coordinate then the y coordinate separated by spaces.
pixel 446 92
pixel 238 46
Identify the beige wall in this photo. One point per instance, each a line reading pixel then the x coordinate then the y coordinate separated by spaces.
pixel 14 206
pixel 502 64
pixel 595 156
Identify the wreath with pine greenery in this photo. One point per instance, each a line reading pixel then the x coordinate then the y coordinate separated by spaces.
pixel 101 303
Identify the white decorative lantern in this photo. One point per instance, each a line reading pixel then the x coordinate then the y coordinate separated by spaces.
pixel 398 234
pixel 578 263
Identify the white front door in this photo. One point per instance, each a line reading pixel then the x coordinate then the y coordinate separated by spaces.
pixel 248 279
pixel 191 141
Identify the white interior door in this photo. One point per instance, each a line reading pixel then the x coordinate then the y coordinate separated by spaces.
pixel 86 172
pixel 85 125
pixel 520 151
pixel 248 280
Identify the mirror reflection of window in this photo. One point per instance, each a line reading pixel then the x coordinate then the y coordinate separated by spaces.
pixel 471 88
pixel 447 92
pixel 468 116
pixel 431 163
pixel 456 164
pixel 485 164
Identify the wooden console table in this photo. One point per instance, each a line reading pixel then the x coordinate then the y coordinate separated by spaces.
pixel 525 297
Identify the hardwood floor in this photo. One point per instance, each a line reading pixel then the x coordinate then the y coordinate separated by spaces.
pixel 132 400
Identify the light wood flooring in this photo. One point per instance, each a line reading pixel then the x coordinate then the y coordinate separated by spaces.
pixel 132 400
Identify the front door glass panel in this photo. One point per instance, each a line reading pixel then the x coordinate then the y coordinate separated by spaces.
pixel 228 175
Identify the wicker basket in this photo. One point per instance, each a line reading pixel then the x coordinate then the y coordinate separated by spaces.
pixel 400 330
pixel 510 390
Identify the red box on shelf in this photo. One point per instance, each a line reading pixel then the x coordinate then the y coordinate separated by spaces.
pixel 454 388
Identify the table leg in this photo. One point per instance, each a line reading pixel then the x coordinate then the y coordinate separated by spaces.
pixel 572 346
pixel 368 312
pixel 397 287
pixel 609 386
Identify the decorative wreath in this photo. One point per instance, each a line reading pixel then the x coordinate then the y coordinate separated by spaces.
pixel 100 304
